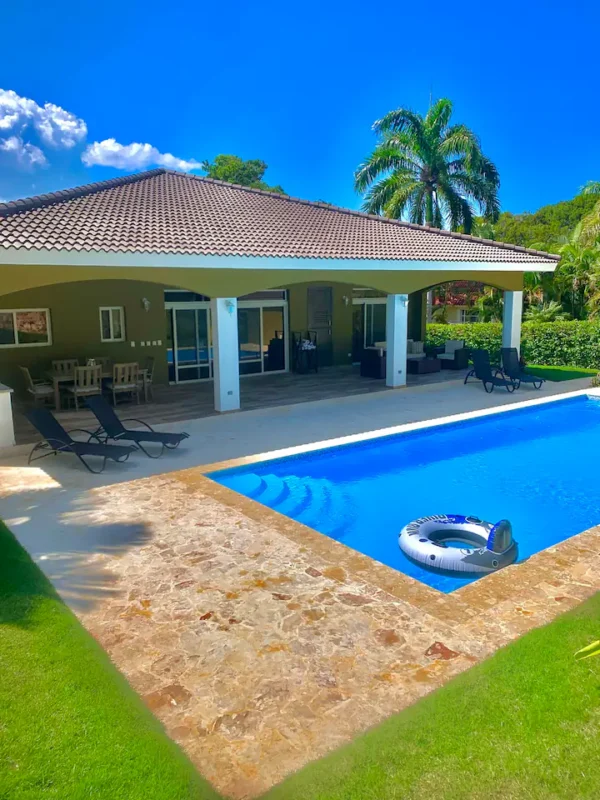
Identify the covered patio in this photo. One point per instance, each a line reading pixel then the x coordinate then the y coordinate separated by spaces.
pixel 195 400
pixel 93 266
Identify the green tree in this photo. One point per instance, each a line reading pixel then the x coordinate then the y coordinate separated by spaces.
pixel 590 224
pixel 549 227
pixel 490 305
pixel 233 169
pixel 429 171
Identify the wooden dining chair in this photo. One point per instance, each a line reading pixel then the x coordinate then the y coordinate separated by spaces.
pixel 148 378
pixel 125 380
pixel 88 381
pixel 41 391
pixel 65 366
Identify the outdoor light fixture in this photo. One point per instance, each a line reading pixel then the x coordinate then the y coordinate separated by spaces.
pixel 146 304
pixel 230 306
pixel 345 300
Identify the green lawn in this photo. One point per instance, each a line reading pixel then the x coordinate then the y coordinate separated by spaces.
pixel 560 373
pixel 70 726
pixel 524 724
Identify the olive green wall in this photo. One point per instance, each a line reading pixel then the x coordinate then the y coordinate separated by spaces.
pixel 75 324
pixel 341 318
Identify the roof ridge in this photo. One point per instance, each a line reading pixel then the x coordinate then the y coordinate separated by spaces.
pixel 48 199
pixel 352 212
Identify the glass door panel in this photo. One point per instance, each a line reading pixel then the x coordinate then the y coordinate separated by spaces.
pixel 192 333
pixel 273 336
pixel 250 340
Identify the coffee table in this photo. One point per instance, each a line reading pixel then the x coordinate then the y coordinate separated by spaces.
pixel 422 366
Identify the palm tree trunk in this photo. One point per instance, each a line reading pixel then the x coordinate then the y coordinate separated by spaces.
pixel 429 208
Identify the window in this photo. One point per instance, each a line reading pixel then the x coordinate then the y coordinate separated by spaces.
pixel 468 315
pixel 112 324
pixel 25 327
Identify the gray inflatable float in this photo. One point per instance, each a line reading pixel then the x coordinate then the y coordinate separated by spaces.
pixel 489 547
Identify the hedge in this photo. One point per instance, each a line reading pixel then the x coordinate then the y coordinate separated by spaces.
pixel 558 344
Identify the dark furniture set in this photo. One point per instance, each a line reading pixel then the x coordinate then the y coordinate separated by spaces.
pixel 57 440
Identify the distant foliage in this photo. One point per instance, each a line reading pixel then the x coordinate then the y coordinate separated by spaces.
pixel 558 344
pixel 234 169
pixel 549 226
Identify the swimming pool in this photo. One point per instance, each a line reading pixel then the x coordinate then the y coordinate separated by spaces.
pixel 535 466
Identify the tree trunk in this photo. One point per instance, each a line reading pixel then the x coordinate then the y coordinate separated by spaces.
pixel 429 208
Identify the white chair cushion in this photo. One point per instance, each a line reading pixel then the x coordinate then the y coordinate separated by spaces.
pixel 415 356
pixel 380 344
pixel 446 356
pixel 418 348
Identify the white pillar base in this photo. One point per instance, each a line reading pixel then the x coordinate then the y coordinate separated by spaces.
pixel 226 365
pixel 7 426
pixel 396 339
pixel 511 320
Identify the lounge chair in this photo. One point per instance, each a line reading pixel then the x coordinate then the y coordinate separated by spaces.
pixel 111 427
pixel 512 368
pixel 488 375
pixel 58 440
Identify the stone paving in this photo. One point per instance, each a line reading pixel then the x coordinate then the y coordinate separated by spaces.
pixel 262 645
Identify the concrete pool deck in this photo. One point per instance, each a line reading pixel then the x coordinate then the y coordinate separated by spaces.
pixel 259 643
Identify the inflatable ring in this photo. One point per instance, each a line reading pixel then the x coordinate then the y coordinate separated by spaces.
pixel 488 547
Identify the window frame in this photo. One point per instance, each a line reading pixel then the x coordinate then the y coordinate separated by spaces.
pixel 110 309
pixel 16 343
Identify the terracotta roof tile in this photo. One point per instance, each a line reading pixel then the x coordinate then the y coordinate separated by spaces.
pixel 162 211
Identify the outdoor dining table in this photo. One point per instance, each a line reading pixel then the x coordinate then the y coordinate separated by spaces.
pixel 57 378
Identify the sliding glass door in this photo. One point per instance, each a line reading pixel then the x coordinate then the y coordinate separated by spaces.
pixel 368 324
pixel 188 344
pixel 262 338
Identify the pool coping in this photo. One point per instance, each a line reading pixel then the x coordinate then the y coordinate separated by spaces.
pixel 469 600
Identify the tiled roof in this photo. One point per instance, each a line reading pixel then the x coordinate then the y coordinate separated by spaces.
pixel 162 211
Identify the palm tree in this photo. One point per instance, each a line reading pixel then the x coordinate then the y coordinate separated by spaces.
pixel 546 312
pixel 576 273
pixel 428 171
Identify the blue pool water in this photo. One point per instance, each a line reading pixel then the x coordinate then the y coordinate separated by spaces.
pixel 536 467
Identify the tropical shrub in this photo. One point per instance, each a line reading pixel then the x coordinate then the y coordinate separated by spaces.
pixel 559 344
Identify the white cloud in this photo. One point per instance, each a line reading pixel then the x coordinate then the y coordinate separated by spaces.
pixel 26 154
pixel 54 125
pixel 109 153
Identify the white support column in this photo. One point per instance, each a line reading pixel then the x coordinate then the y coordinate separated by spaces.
pixel 7 427
pixel 511 320
pixel 396 335
pixel 226 366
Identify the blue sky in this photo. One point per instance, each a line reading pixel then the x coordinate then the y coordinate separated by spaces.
pixel 297 85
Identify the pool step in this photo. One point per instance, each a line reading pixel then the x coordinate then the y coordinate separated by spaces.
pixel 315 502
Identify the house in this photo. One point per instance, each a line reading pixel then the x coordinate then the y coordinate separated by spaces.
pixel 454 303
pixel 216 281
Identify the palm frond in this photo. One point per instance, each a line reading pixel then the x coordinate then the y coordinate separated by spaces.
pixel 381 161
pixel 591 187
pixel 438 116
pixel 380 195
